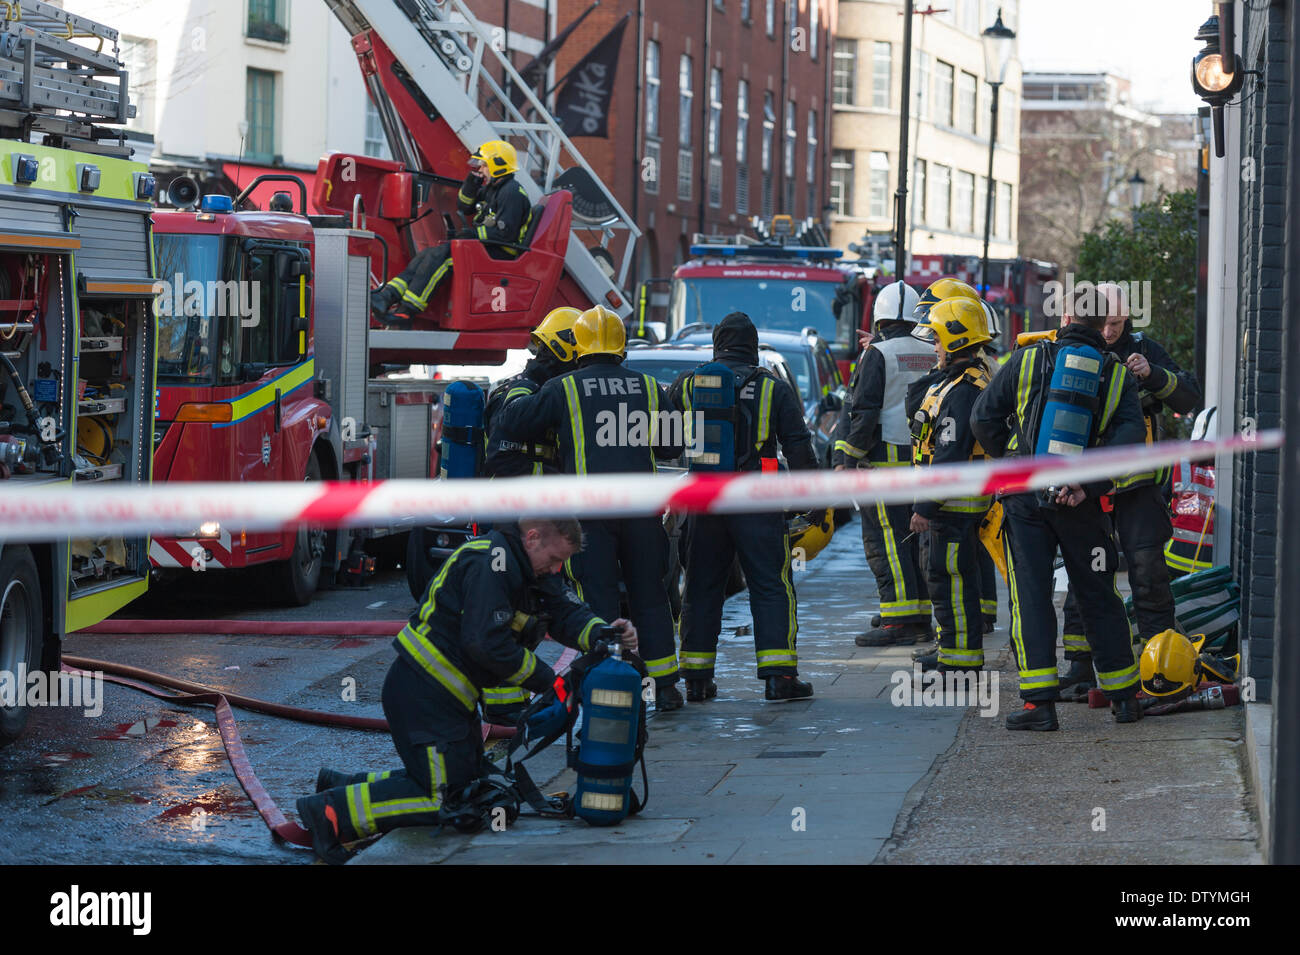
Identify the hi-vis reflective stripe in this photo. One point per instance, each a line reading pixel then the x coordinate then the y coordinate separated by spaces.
pixel 903 608
pixel 576 426
pixel 764 412
pixel 53 511
pixel 664 666
pixel 842 446
pixel 777 658
pixel 1118 679
pixel 891 552
pixel 1038 679
pixel 1169 387
pixel 652 395
pixel 1112 396
pixel 1026 373
pixel 526 669
pixel 1075 641
pixel 436 664
pixel 584 638
pixel 254 401
pixel 505 695
pixel 698 660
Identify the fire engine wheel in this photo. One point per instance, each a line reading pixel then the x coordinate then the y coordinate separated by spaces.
pixel 20 631
pixel 300 574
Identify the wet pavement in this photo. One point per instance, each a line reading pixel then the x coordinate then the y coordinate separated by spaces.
pixel 848 776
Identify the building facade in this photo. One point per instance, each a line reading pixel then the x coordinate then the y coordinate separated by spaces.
pixel 949 128
pixel 718 114
pixel 1082 140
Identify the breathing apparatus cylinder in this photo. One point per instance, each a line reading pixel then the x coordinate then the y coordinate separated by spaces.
pixel 713 392
pixel 1071 401
pixel 607 754
pixel 462 449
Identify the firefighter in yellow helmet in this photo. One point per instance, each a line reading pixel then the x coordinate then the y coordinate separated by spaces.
pixel 500 214
pixel 941 434
pixel 606 420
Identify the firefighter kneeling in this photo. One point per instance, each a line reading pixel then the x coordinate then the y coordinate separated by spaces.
pixel 461 639
pixel 1060 397
pixel 941 434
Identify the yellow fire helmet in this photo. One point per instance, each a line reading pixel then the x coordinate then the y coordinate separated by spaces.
pixel 598 331
pixel 556 334
pixel 956 323
pixel 499 157
pixel 1169 665
pixel 806 538
pixel 941 289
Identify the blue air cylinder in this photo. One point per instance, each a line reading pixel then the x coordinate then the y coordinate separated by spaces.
pixel 713 392
pixel 1066 426
pixel 462 450
pixel 606 756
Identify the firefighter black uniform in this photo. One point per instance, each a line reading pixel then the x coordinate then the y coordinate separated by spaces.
pixel 500 212
pixel 607 421
pixel 769 414
pixel 1005 421
pixel 872 432
pixel 943 436
pixel 1140 513
pixel 464 636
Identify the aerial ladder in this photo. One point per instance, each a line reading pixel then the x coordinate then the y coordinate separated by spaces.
pixel 431 69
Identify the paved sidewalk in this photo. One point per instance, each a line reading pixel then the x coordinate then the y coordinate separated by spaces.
pixel 848 777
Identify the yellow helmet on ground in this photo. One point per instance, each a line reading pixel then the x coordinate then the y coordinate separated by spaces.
pixel 807 539
pixel 956 323
pixel 1169 665
pixel 555 333
pixel 599 331
pixel 941 289
pixel 499 157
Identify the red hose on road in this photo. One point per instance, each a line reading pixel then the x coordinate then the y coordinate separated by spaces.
pixel 303 628
pixel 196 693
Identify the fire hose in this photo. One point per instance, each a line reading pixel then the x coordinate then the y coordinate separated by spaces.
pixel 195 694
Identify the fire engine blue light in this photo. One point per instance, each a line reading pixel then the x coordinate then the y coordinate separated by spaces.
pixel 25 168
pixel 217 203
pixel 768 251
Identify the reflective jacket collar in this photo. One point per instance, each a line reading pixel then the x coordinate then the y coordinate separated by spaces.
pixel 894 329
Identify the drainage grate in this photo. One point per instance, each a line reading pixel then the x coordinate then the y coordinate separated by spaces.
pixel 793 754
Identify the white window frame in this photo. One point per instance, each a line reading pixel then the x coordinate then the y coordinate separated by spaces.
pixel 878 203
pixel 841 187
pixel 882 53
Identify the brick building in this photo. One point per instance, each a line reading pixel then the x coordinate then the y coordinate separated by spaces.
pixel 719 113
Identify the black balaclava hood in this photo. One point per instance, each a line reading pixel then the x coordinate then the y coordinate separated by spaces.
pixel 736 338
pixel 544 366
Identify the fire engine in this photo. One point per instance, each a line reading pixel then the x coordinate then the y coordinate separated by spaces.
pixel 254 388
pixel 1016 287
pixel 76 334
pixel 788 279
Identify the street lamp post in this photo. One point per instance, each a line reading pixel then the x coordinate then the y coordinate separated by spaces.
pixel 999 44
pixel 1135 189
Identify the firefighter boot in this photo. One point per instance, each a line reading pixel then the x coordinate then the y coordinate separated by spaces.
pixel 330 778
pixel 697 691
pixel 1078 680
pixel 877 620
pixel 929 661
pixel 1127 711
pixel 1039 716
pixel 785 689
pixel 322 821
pixel 892 634
pixel 381 300
pixel 668 698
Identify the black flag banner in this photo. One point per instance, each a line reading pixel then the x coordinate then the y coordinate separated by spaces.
pixel 582 106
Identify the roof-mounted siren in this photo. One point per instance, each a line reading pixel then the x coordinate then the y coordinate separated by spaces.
pixel 183 193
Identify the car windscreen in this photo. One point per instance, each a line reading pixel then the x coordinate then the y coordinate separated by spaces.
pixel 664 368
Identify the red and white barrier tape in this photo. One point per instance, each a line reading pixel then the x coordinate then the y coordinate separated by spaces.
pixel 69 510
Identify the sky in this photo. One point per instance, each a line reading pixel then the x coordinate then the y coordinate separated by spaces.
pixel 1150 41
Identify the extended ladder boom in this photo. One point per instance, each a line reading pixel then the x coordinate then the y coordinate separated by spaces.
pixel 50 83
pixel 443 48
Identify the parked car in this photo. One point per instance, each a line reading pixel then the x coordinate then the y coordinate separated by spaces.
pixel 816 376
